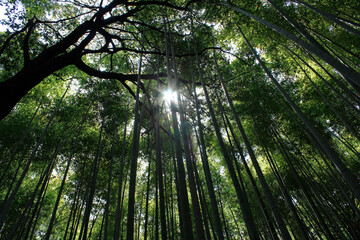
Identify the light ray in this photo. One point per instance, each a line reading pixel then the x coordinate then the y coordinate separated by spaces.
pixel 169 96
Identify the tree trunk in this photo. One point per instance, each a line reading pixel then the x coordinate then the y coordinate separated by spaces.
pixel 147 197
pixel 329 151
pixel 13 152
pixel 283 189
pixel 190 172
pixel 330 17
pixel 48 232
pixel 47 62
pixel 15 88
pixel 8 202
pixel 347 73
pixel 270 199
pixel 133 162
pixel 202 200
pixel 205 162
pixel 95 171
pixel 246 211
pixel 108 191
pixel 122 163
pixel 262 204
pixel 184 210
pixel 159 166
pixel 298 27
pixel 73 211
pixel 349 93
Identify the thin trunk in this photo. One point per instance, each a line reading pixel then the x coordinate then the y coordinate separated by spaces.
pixel 122 202
pixel 308 197
pixel 283 189
pixel 257 192
pixel 269 197
pixel 340 55
pixel 95 170
pixel 330 17
pixel 350 128
pixel 37 210
pixel 138 220
pixel 298 27
pixel 227 235
pixel 122 163
pixel 106 211
pixel 9 201
pixel 172 152
pixel 348 73
pixel 74 231
pixel 13 152
pixel 208 220
pixel 173 218
pixel 159 167
pixel 349 93
pixel 334 43
pixel 168 201
pixel 205 162
pixel 236 223
pixel 308 165
pixel 74 208
pixel 156 207
pixel 147 197
pixel 93 224
pixel 101 229
pixel 232 150
pixel 190 172
pixel 346 143
pixel 317 193
pixel 48 232
pixel 134 158
pixel 15 174
pixel 246 211
pixel 184 209
pixel 263 208
pixel 329 151
pixel 200 190
pixel 43 183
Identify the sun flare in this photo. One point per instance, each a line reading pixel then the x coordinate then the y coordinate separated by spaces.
pixel 169 96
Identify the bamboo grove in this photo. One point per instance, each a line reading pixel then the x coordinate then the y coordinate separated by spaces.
pixel 180 119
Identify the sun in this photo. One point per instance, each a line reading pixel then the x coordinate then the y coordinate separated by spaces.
pixel 169 96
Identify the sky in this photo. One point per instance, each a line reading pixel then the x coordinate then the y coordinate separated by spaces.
pixel 3 11
pixel 2 16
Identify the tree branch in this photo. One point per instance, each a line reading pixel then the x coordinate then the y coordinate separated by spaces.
pixel 6 43
pixel 160 3
pixel 26 42
pixel 111 75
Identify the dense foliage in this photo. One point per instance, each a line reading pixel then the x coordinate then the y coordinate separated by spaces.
pixel 180 119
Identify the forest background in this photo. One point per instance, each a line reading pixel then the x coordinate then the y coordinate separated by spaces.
pixel 180 119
